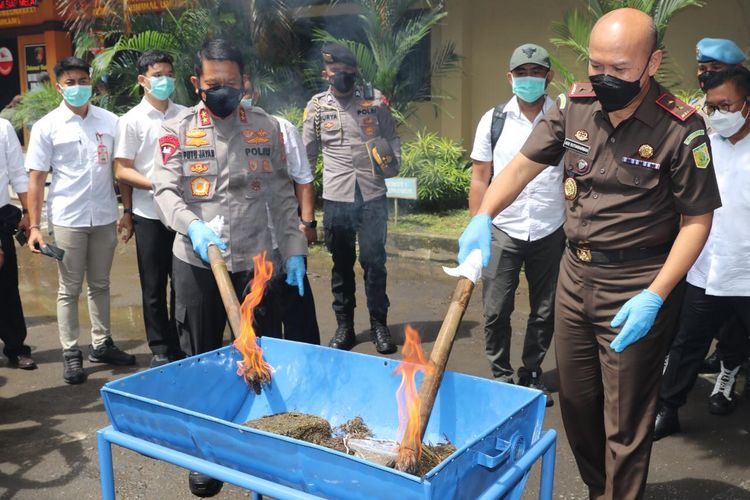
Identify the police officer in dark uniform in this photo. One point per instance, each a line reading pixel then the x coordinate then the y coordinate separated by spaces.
pixel 641 191
pixel 353 127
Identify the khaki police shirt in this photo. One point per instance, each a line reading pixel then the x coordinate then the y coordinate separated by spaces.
pixel 632 182
pixel 205 167
pixel 345 126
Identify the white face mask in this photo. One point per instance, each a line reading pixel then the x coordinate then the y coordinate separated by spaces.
pixel 728 124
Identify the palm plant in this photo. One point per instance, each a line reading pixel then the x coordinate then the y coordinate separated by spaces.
pixel 393 29
pixel 574 30
pixel 34 105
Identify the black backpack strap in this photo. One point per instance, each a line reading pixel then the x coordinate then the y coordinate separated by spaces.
pixel 498 122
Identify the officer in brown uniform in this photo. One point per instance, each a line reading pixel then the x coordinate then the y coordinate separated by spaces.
pixel 353 127
pixel 641 191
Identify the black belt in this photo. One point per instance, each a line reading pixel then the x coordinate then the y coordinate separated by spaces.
pixel 585 254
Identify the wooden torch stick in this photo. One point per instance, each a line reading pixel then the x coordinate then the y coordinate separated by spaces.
pixel 226 288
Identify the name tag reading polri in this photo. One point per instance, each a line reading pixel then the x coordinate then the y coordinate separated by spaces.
pixel 641 163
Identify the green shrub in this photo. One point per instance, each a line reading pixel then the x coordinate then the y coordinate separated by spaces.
pixel 441 169
pixel 34 105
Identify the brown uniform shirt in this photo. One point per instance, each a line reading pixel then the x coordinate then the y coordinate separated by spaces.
pixel 627 186
pixel 345 126
pixel 235 168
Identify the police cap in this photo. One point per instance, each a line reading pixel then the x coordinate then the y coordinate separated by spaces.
pixel 720 50
pixel 335 53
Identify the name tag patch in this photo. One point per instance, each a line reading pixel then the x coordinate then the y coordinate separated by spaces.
pixel 576 146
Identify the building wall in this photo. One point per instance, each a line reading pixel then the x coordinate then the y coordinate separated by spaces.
pixel 487 31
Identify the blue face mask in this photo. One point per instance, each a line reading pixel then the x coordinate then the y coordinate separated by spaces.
pixel 247 102
pixel 529 88
pixel 161 87
pixel 77 95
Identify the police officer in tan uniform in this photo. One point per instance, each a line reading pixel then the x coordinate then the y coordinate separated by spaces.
pixel 640 190
pixel 221 160
pixel 353 127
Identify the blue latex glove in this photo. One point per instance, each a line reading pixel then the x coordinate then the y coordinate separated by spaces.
pixel 640 313
pixel 295 273
pixel 476 235
pixel 201 236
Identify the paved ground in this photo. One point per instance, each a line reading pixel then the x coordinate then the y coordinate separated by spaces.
pixel 47 427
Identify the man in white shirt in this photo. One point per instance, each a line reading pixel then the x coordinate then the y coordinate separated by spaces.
pixel 135 143
pixel 718 289
pixel 529 232
pixel 12 219
pixel 75 140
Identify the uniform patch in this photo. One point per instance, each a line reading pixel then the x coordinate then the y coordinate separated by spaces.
pixel 252 165
pixel 259 136
pixel 266 165
pixel 195 133
pixel 645 151
pixel 693 136
pixel 205 119
pixel 582 135
pixel 200 187
pixel 243 115
pixel 328 125
pixel 701 156
pixel 196 143
pixel 255 185
pixel 366 104
pixel 675 107
pixel 368 120
pixel 562 101
pixel 570 188
pixel 576 146
pixel 199 168
pixel 168 144
pixel 369 131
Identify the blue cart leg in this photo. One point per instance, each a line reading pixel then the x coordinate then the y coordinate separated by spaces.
pixel 548 469
pixel 106 474
pixel 257 496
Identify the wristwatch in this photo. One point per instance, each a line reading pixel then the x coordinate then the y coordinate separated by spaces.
pixel 127 210
pixel 312 224
pixel 24 211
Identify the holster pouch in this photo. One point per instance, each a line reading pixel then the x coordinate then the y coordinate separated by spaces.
pixel 384 162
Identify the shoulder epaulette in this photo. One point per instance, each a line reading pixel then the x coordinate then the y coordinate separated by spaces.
pixel 581 89
pixel 675 107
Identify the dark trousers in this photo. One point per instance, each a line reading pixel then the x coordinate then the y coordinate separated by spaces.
pixel 541 261
pixel 153 243
pixel 298 313
pixel 12 324
pixel 345 223
pixel 701 318
pixel 608 400
pixel 200 314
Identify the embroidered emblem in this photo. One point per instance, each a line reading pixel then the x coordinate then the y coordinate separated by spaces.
pixel 168 144
pixel 259 136
pixel 570 189
pixel 701 156
pixel 582 135
pixel 200 187
pixel 646 151
pixel 196 143
pixel 255 185
pixel 266 165
pixel 243 115
pixel 253 165
pixel 199 168
pixel 195 133
pixel 693 136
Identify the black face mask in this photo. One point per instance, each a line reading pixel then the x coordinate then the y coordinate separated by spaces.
pixel 343 81
pixel 706 77
pixel 614 93
pixel 222 101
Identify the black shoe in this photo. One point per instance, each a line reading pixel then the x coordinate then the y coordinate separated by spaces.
pixel 204 486
pixel 73 366
pixel 160 360
pixel 344 337
pixel 381 336
pixel 109 353
pixel 721 401
pixel 711 364
pixel 22 362
pixel 533 380
pixel 667 422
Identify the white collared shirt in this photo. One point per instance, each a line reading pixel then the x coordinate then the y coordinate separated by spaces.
pixel 79 152
pixel 540 208
pixel 135 139
pixel 723 267
pixel 11 163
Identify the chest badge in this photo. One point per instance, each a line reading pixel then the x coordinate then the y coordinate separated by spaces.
pixel 582 135
pixel 570 188
pixel 195 133
pixel 259 136
pixel 200 187
pixel 646 151
pixel 196 143
pixel 582 165
pixel 199 168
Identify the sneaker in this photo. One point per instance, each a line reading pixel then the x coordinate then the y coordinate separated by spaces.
pixel 720 402
pixel 344 337
pixel 73 366
pixel 533 380
pixel 159 360
pixel 110 354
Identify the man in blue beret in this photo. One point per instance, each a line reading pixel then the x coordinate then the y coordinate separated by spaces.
pixel 716 54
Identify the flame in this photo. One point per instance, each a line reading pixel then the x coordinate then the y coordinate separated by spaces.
pixel 253 367
pixel 413 360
